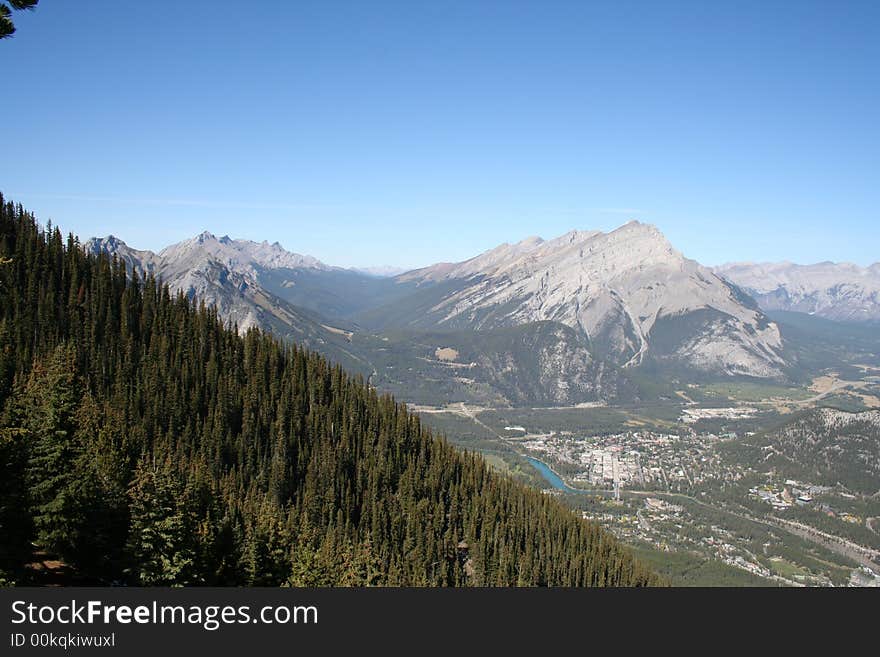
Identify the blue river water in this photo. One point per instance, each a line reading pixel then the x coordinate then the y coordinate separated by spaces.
pixel 552 478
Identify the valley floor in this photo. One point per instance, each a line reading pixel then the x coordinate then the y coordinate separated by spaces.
pixel 667 479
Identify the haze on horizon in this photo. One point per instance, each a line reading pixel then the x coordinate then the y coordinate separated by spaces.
pixel 399 135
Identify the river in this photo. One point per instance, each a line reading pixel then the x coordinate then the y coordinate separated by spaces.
pixel 551 477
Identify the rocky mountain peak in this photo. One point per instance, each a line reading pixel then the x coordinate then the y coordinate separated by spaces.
pixel 615 288
pixel 110 244
pixel 224 273
pixel 138 261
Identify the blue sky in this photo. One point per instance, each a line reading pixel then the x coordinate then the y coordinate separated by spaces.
pixel 406 133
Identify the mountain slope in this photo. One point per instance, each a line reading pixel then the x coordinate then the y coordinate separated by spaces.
pixel 838 291
pixel 618 289
pixel 826 446
pixel 536 364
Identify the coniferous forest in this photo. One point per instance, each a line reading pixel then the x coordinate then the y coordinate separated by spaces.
pixel 145 443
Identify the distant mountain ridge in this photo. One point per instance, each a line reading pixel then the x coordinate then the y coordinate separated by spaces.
pixel 380 271
pixel 243 256
pixel 219 271
pixel 837 291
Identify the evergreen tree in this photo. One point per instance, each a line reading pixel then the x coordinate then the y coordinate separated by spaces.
pixel 163 528
pixel 7 28
pixel 47 407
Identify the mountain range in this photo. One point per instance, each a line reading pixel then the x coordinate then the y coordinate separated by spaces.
pixel 837 291
pixel 579 318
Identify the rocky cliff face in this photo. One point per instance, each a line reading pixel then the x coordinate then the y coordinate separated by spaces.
pixel 142 262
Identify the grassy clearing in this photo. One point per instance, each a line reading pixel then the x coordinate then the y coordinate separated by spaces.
pixel 497 463
pixel 788 570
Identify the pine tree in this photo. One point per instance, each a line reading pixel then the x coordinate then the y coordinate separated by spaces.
pixel 163 528
pixel 47 407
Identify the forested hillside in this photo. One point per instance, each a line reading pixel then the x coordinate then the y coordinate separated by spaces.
pixel 146 443
pixel 823 446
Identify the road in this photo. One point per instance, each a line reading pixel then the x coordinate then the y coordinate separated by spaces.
pixel 859 553
pixel 477 420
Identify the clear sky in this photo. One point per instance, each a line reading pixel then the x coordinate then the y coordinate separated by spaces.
pixel 405 133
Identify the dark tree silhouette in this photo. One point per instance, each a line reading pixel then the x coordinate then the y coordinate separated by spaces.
pixel 7 27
